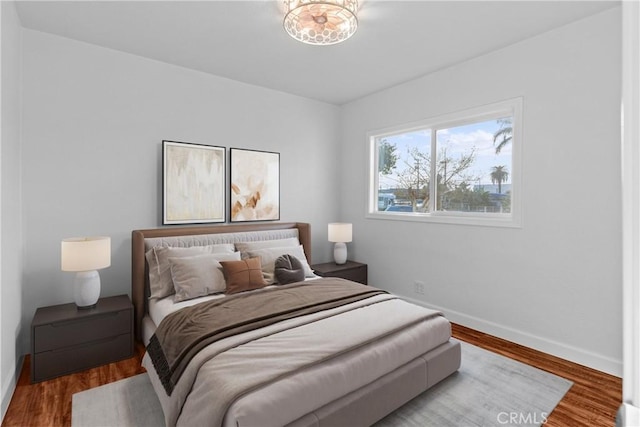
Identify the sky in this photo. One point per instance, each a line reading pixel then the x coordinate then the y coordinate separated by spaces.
pixel 457 140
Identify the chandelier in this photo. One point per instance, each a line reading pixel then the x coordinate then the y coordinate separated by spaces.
pixel 321 22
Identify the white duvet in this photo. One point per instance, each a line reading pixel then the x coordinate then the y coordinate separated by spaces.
pixel 275 375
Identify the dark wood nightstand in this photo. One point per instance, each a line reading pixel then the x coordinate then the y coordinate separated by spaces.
pixel 350 270
pixel 65 339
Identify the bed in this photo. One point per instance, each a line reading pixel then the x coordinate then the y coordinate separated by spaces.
pixel 348 363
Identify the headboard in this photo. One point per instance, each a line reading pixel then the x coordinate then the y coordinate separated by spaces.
pixel 140 269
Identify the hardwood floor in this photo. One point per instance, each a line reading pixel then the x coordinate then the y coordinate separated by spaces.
pixel 48 403
pixel 592 401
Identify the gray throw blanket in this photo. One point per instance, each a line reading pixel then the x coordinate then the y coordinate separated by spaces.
pixel 182 334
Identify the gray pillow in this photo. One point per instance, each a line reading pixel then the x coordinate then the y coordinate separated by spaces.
pixel 200 275
pixel 268 257
pixel 288 269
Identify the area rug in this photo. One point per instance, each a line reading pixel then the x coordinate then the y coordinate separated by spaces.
pixel 488 390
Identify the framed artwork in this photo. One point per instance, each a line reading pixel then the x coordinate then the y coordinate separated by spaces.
pixel 255 185
pixel 193 183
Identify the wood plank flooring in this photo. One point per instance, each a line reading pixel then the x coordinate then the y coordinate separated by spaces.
pixel 48 403
pixel 592 401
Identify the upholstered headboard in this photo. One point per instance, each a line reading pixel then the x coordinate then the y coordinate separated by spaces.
pixel 142 240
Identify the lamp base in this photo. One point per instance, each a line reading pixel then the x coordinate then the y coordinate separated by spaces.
pixel 340 253
pixel 86 289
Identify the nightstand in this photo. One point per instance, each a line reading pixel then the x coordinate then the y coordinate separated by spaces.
pixel 350 270
pixel 65 339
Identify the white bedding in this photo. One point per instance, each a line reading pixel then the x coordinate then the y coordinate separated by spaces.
pixel 161 308
pixel 309 388
pixel 312 388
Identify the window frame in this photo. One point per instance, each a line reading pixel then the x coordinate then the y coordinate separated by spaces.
pixel 511 107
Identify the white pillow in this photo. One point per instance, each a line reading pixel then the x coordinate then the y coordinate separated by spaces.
pixel 261 244
pixel 268 258
pixel 200 275
pixel 160 282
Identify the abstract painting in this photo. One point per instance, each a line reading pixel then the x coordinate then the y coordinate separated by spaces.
pixel 193 183
pixel 255 185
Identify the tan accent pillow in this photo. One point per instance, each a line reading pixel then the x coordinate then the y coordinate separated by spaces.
pixel 200 275
pixel 268 258
pixel 160 282
pixel 244 275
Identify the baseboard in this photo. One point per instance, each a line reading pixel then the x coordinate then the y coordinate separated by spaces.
pixel 628 416
pixel 574 354
pixel 8 390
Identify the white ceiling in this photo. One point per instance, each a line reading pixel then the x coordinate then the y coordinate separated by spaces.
pixel 244 40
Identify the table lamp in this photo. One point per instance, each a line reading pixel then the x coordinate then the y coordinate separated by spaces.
pixel 85 255
pixel 340 233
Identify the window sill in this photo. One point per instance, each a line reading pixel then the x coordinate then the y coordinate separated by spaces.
pixel 495 220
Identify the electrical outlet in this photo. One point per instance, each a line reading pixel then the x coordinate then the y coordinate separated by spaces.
pixel 418 287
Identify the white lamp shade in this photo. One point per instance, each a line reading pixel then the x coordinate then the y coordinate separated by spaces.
pixel 85 253
pixel 340 232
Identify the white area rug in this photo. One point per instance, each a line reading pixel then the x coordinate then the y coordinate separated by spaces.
pixel 488 390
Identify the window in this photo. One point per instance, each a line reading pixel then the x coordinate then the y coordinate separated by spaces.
pixel 473 180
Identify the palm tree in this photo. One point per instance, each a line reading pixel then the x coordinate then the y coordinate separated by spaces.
pixel 504 134
pixel 499 174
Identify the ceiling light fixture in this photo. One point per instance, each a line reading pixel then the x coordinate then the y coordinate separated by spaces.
pixel 321 22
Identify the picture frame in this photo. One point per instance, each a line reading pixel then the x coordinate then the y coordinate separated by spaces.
pixel 254 186
pixel 193 183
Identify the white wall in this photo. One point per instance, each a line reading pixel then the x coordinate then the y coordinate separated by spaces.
pixel 10 200
pixel 555 283
pixel 93 122
pixel 631 210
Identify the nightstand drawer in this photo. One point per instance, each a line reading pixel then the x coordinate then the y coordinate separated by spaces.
pixel 50 364
pixel 69 333
pixel 350 270
pixel 356 274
